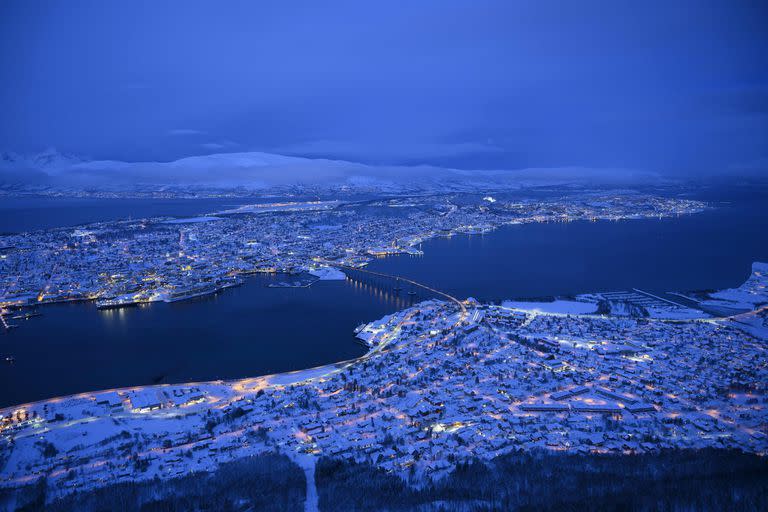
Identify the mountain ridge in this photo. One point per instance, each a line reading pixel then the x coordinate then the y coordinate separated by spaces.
pixel 258 171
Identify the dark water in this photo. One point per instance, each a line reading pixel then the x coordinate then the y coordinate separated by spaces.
pixel 19 214
pixel 711 250
pixel 253 330
pixel 244 331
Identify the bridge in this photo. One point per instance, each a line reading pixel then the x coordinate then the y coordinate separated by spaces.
pixel 423 286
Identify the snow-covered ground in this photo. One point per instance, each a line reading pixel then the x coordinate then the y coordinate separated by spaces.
pixel 557 306
pixel 328 274
pixel 638 303
pixel 192 220
pixel 748 296
pixel 440 385
pixel 675 313
pixel 307 463
pixel 281 207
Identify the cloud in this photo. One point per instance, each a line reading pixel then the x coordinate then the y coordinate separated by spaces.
pixel 185 131
pixel 223 144
pixel 352 150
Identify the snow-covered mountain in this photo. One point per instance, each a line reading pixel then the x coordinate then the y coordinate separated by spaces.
pixel 33 169
pixel 258 171
pixel 48 159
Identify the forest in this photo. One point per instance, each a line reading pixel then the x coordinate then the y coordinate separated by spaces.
pixel 679 480
pixel 269 482
pixel 675 480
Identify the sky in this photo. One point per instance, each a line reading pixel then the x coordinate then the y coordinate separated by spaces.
pixel 671 87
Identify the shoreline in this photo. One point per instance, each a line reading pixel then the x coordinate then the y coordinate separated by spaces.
pixel 244 275
pixel 334 367
pixel 491 375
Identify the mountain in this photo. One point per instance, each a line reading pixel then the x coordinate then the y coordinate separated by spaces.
pixel 48 159
pixel 33 169
pixel 259 171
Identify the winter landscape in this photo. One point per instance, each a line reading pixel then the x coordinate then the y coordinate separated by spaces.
pixel 450 257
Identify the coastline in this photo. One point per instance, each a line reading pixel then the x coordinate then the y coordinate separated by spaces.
pixel 188 407
pixel 177 380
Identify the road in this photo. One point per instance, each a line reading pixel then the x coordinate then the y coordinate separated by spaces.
pixel 405 280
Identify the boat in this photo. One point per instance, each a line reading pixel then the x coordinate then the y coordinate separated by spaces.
pixel 191 292
pixel 231 283
pixel 26 316
pixel 117 302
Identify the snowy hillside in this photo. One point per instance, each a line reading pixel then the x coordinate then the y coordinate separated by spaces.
pixel 749 296
pixel 256 170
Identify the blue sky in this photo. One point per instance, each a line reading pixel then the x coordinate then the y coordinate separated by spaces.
pixel 673 87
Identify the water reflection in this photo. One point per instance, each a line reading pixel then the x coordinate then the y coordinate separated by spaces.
pixel 384 291
pixel 254 330
pixel 388 291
